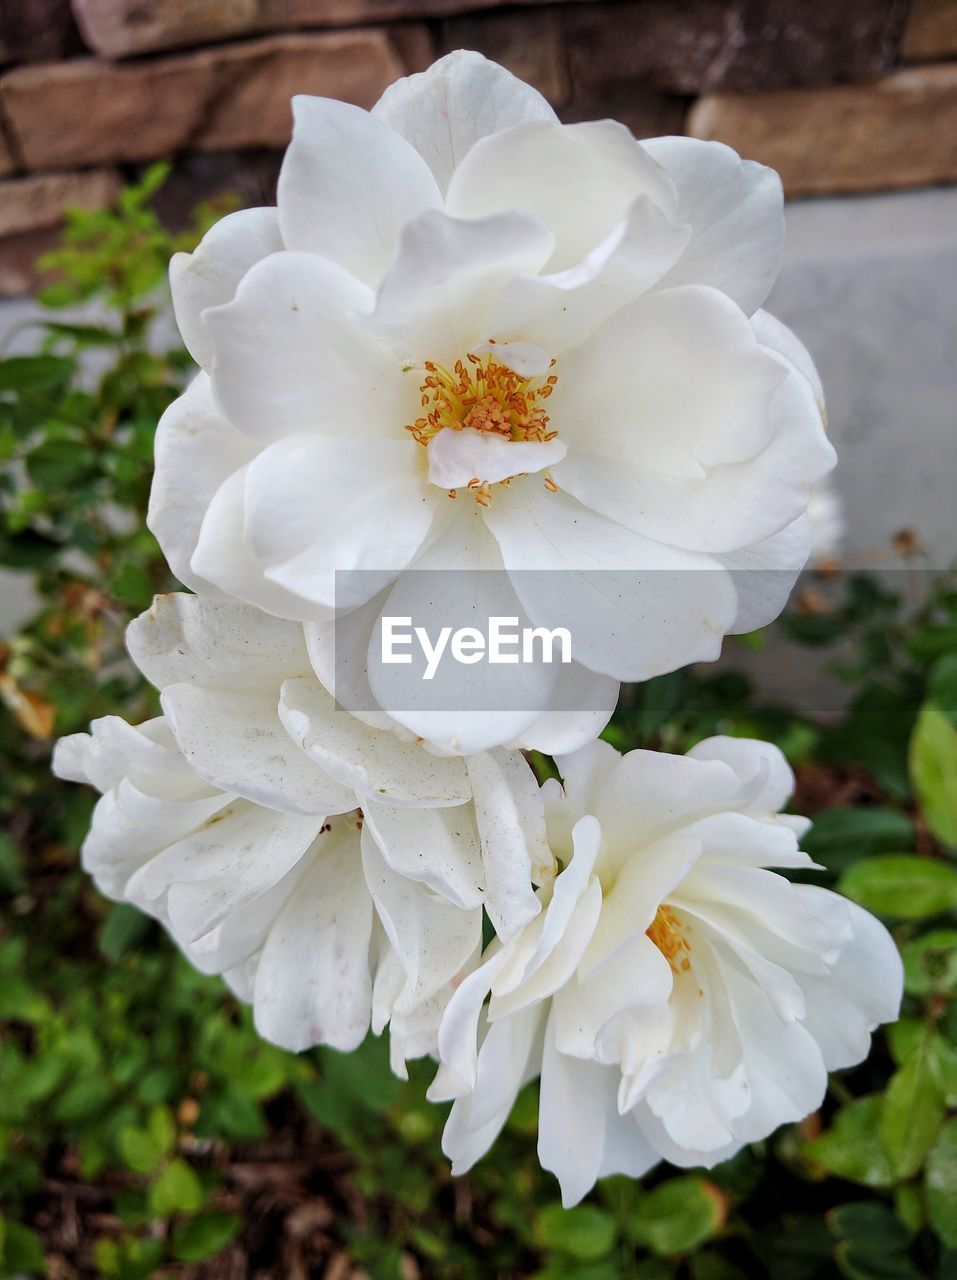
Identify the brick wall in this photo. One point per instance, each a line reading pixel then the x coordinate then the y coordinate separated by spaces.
pixel 847 97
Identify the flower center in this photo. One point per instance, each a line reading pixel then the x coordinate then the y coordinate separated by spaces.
pixel 668 934
pixel 482 395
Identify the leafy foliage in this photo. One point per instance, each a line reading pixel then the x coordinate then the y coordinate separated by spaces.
pixel 146 1131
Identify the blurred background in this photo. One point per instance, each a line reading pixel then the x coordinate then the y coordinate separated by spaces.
pixel 145 1131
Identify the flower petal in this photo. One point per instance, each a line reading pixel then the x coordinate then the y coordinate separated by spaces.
pixel 778 338
pixel 461 456
pixel 317 507
pixel 635 608
pixel 512 1059
pixel 581 704
pixel 215 644
pixel 572 1117
pixel 222 557
pixel 114 750
pixel 632 900
pixel 510 1056
pixel 438 847
pixel 639 975
pixel 290 355
pixel 348 184
pixel 459 1030
pixel 580 180
pixel 462 97
pixel 236 742
pixel 313 984
pixel 511 827
pixel 736 211
pixel 862 990
pixel 210 275
pixel 437 295
pixel 567 891
pixel 675 383
pixel 433 938
pixel 369 761
pixel 196 451
pixel 741 839
pixel 760 767
pixel 582 773
pixel 785 1072
pixel 648 795
pixel 764 574
pixel 560 311
pixel 130 825
pixel 724 508
pixel 559 965
pixel 463 709
pixel 337 650
pixel 222 867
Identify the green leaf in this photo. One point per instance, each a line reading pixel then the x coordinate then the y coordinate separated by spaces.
pixel 84 335
pixel 176 1190
pixel 230 1115
pixel 875 734
pixel 143 1149
pixel 647 1269
pixel 19 1002
pixel 840 837
pixel 912 1112
pixel 943 1063
pixel 930 963
pixel 123 928
pixel 132 585
pixel 942 685
pixel 20 1250
pixel 106 1255
pixel 128 1259
pixel 61 464
pixel 868 1226
pixel 901 885
pixel 204 1236
pixel 940 1184
pixel 679 1215
pixel 933 771
pixel 86 1097
pixel 656 701
pixel 12 878
pixel 34 373
pixel 584 1232
pixel 909 1206
pixel 850 1148
pixel 903 1037
pixel 162 1129
pixel 859 1264
pixel 709 1265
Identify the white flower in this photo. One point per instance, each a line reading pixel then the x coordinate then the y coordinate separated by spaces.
pixel 331 872
pixel 828 526
pixel 557 324
pixel 677 997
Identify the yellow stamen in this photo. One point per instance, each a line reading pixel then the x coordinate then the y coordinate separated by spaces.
pixel 668 934
pixel 484 396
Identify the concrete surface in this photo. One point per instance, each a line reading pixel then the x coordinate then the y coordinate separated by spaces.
pixel 870 285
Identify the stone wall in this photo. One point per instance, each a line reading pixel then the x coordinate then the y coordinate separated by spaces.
pixel 847 97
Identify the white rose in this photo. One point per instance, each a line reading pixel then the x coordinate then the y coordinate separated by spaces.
pixel 677 997
pixel 557 324
pixel 330 871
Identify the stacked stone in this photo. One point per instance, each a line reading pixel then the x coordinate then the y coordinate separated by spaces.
pixel 855 97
